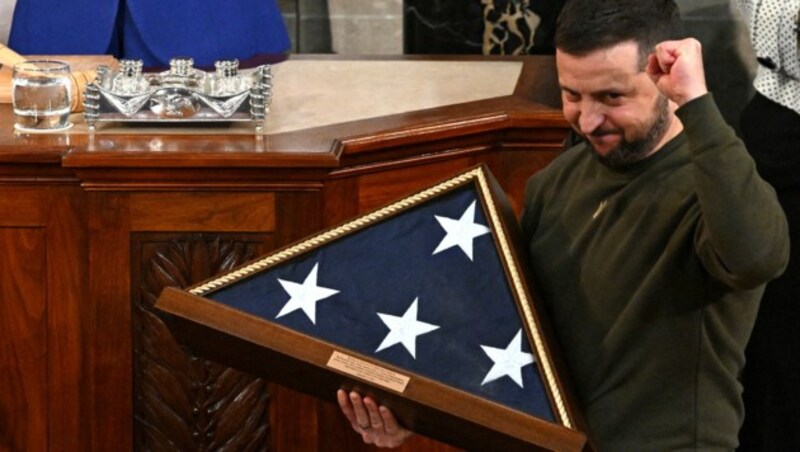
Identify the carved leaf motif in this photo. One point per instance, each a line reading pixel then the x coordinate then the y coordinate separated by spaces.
pixel 184 402
pixel 248 393
pixel 241 411
pixel 165 273
pixel 154 439
pixel 156 337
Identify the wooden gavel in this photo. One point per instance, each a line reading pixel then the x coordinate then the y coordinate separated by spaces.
pixel 79 79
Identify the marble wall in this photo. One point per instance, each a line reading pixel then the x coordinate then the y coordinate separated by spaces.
pixel 308 25
pixel 443 27
pixel 345 27
pixel 372 27
pixel 456 27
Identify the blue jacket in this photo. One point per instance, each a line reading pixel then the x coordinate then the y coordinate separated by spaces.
pixel 151 30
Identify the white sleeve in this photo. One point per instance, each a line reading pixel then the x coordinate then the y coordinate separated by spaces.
pixel 775 35
pixel 789 39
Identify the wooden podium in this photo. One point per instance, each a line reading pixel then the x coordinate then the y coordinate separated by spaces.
pixel 93 227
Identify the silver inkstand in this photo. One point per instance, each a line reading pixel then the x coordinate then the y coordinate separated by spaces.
pixel 182 94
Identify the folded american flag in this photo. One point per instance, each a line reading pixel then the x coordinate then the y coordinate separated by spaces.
pixel 422 287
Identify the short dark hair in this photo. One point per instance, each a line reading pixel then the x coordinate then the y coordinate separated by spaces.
pixel 588 25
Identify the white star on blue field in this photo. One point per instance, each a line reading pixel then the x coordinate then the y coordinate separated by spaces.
pixel 404 330
pixel 305 296
pixel 461 232
pixel 508 361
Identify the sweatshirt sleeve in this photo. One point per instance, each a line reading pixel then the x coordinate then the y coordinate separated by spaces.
pixel 742 237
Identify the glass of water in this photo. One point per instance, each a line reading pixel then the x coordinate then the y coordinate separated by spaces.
pixel 41 94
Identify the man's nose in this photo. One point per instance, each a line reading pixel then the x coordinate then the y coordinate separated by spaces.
pixel 591 118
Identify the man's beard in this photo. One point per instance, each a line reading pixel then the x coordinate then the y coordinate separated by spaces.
pixel 628 152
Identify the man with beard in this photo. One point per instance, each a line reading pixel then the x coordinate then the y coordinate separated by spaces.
pixel 650 242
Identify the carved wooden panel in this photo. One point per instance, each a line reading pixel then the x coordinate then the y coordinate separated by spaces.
pixel 183 402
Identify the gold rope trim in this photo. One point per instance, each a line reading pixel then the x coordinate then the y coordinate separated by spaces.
pixel 333 233
pixel 524 302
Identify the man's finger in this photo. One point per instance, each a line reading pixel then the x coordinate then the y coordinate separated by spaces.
pixel 390 423
pixel 346 406
pixel 362 418
pixel 653 69
pixel 375 419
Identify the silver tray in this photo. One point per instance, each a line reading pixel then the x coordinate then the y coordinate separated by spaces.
pixel 182 94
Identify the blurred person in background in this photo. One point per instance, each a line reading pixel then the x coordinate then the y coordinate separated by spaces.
pixel 770 125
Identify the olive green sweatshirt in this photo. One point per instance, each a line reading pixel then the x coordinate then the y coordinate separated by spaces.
pixel 652 277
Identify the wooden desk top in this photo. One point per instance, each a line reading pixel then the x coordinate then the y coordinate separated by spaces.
pixel 357 121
